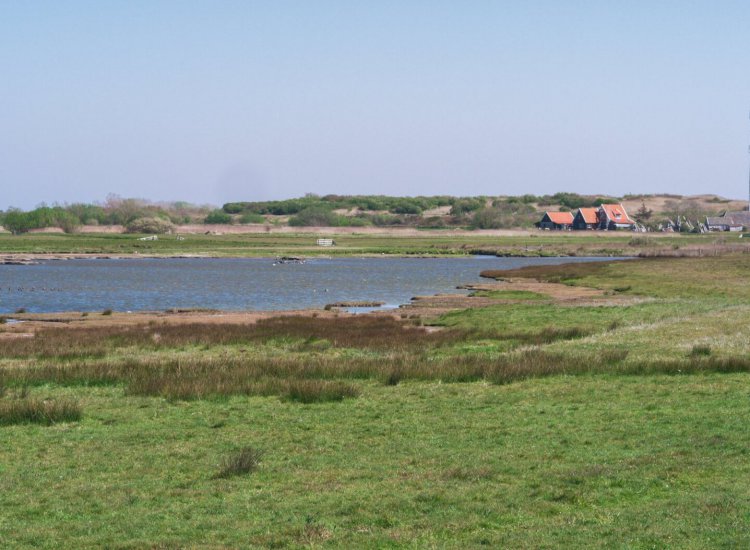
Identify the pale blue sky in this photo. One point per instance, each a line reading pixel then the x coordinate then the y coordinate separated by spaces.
pixel 222 100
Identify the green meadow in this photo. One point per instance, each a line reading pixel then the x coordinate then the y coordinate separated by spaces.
pixel 526 424
pixel 543 243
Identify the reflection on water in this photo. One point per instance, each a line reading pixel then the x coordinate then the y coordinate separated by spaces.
pixel 237 284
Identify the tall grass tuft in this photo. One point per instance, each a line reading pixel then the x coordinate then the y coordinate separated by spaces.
pixel 241 462
pixel 38 411
pixel 700 350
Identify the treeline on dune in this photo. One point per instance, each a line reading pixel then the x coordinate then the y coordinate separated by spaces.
pixel 435 212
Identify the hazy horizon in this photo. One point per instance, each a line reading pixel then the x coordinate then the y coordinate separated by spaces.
pixel 244 101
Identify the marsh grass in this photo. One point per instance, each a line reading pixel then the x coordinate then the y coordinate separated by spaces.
pixel 700 350
pixel 306 379
pixel 549 273
pixel 379 333
pixel 241 462
pixel 28 410
pixel 514 295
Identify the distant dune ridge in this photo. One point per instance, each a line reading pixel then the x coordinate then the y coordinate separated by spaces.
pixel 348 214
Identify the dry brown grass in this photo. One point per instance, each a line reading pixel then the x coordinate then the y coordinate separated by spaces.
pixel 365 332
pixel 549 273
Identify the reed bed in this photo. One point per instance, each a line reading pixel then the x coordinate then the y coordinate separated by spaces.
pixel 308 379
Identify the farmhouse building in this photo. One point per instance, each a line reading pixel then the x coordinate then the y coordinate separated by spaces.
pixel 556 220
pixel 613 216
pixel 730 221
pixel 586 218
pixel 606 216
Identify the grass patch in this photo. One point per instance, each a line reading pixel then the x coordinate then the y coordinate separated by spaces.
pixel 416 465
pixel 27 410
pixel 700 350
pixel 241 462
pixel 511 294
pixel 320 391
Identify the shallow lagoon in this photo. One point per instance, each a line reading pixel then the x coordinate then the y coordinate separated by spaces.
pixel 238 284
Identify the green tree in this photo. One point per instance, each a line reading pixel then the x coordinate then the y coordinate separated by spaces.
pixel 16 221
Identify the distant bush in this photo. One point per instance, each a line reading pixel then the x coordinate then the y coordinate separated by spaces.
pixel 150 225
pixel 406 208
pixel 503 215
pixel 573 201
pixel 234 207
pixel 315 216
pixel 463 206
pixel 17 221
pixel 218 217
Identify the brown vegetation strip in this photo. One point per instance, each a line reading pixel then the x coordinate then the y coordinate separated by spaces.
pixel 366 332
pixel 550 273
pixel 309 379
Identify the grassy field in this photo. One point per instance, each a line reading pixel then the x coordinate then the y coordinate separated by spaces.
pixel 449 243
pixel 530 423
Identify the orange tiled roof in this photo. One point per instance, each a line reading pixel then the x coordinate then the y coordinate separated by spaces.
pixel 589 215
pixel 616 213
pixel 561 217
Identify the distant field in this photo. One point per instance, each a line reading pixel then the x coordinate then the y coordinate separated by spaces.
pixel 431 243
pixel 615 419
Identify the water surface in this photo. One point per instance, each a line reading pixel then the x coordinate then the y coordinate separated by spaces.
pixel 238 284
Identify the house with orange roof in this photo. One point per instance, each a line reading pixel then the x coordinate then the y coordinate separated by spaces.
pixel 614 216
pixel 586 218
pixel 556 220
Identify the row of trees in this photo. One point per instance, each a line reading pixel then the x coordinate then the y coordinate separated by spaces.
pixel 367 203
pixel 483 215
pixel 405 205
pixel 330 210
pixel 114 211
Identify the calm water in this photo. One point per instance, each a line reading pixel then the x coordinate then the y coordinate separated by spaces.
pixel 237 284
